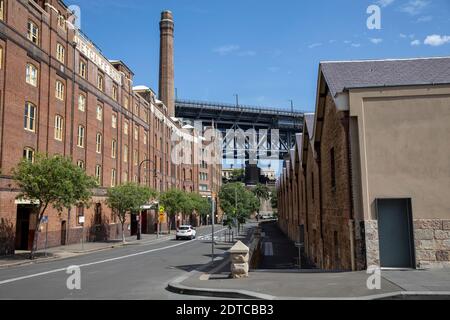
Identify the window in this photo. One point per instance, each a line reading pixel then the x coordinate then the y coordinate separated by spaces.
pixel 126 103
pixel 81 132
pixel 33 33
pixel 98 173
pixel 99 113
pixel 98 214
pixel 59 124
pixel 125 176
pixel 82 102
pixel 98 143
pixel 135 179
pixel 136 157
pixel 2 10
pixel 114 121
pixel 60 53
pixel 115 93
pixel 125 153
pixel 125 127
pixel 114 149
pixel 30 117
pixel 100 82
pixel 62 22
pixel 145 138
pixel 333 168
pixel 203 187
pixel 59 90
pixel 113 177
pixel 136 134
pixel 1 57
pixel 80 164
pixel 28 154
pixel 83 69
pixel 32 75
pixel 136 109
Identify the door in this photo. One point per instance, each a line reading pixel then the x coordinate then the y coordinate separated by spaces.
pixel 134 225
pixel 63 233
pixel 23 227
pixel 395 233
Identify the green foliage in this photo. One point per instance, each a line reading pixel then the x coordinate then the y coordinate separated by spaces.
pixel 238 202
pixel 200 205
pixel 262 192
pixel 128 198
pixel 173 201
pixel 274 200
pixel 237 175
pixel 54 181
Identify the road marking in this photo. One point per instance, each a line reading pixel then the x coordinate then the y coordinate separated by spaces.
pixel 97 262
pixel 268 249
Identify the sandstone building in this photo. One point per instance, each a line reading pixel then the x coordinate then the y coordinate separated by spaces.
pixel 367 183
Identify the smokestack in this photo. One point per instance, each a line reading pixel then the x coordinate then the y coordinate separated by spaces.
pixel 166 67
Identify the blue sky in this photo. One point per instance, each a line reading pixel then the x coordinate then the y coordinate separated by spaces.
pixel 266 51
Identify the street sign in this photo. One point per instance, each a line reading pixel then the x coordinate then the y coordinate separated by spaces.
pixel 81 219
pixel 44 220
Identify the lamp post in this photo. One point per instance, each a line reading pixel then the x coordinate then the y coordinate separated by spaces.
pixel 139 181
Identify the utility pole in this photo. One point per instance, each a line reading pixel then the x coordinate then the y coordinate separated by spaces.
pixel 237 100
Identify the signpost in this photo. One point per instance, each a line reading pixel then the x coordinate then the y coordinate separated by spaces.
pixel 81 220
pixel 45 221
pixel 161 218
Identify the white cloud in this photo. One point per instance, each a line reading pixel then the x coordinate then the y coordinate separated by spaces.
pixel 414 7
pixel 226 50
pixel 425 19
pixel 356 45
pixel 314 45
pixel 416 43
pixel 436 40
pixel 385 3
pixel 376 40
pixel 347 42
pixel 248 53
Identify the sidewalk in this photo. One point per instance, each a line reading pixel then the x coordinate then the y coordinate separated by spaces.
pixel 278 280
pixel 63 252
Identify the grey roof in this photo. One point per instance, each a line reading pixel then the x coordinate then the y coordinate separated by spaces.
pixel 309 120
pixel 390 73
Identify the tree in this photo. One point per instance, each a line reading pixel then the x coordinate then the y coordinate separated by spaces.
pixel 128 198
pixel 52 181
pixel 274 200
pixel 200 204
pixel 262 192
pixel 237 202
pixel 174 203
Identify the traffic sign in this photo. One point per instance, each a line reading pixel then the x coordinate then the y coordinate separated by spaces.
pixel 44 220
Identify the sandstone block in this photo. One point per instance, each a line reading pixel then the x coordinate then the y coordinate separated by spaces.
pixel 424 234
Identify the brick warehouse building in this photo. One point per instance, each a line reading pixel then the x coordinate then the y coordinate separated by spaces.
pixel 60 95
pixel 375 165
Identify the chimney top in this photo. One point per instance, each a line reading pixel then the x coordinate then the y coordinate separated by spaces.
pixel 166 15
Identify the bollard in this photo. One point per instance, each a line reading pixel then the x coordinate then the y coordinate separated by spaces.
pixel 240 256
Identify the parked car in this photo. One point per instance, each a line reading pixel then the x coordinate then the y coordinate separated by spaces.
pixel 186 232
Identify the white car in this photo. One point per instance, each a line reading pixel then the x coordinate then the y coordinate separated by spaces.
pixel 186 232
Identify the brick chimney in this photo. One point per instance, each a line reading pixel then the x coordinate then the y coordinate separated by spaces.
pixel 166 67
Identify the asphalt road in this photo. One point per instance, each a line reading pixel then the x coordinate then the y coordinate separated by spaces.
pixel 139 271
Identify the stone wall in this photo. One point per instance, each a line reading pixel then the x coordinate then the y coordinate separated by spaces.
pixel 432 241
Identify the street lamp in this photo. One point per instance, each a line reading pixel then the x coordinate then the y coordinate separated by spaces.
pixel 139 181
